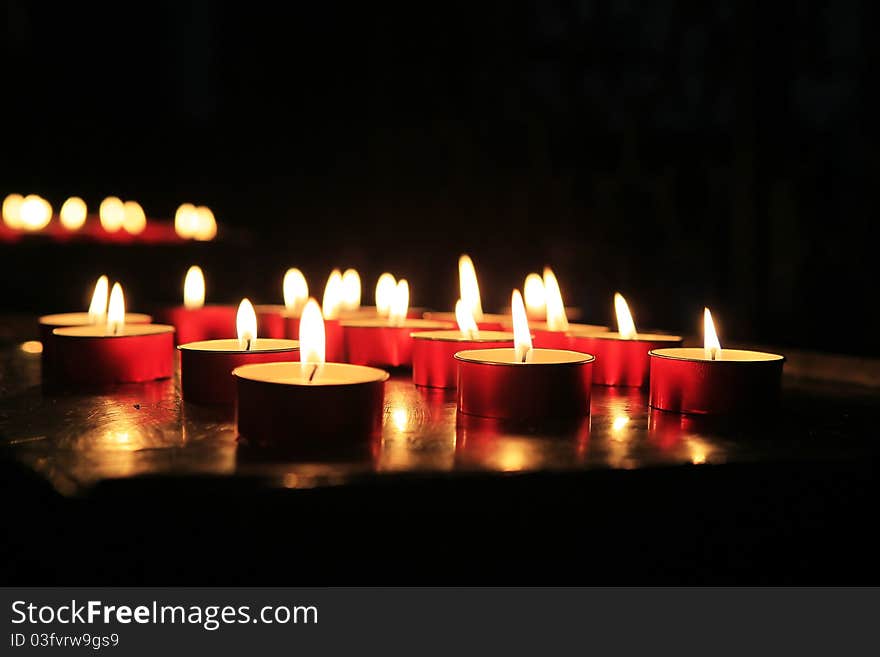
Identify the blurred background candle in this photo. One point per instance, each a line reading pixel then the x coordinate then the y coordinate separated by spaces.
pixel 277 321
pixel 535 298
pixel 331 307
pixel 469 295
pixel 73 213
pixel 194 320
pixel 712 380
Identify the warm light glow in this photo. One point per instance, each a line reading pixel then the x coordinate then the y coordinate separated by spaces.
pixel 465 319
pixel 351 290
pixel 468 287
pixel 73 213
pixel 98 306
pixel 312 340
pixel 619 423
pixel 194 288
pixel 35 213
pixel 111 213
pixel 295 290
pixel 332 301
pixel 556 319
pixel 116 310
pixel 32 347
pixel 625 324
pixel 710 339
pixel 522 337
pixel 186 221
pixel 385 288
pixel 134 220
pixel 12 210
pixel 400 304
pixel 205 228
pixel 246 324
pixel 535 296
pixel 698 456
pixel 400 418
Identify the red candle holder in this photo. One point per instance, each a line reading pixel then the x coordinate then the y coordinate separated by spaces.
pixel 276 321
pixel 277 405
pixel 619 361
pixel 555 384
pixel 489 322
pixel 197 324
pixel 374 343
pixel 85 355
pixel 334 341
pixel 206 366
pixel 684 380
pixel 433 352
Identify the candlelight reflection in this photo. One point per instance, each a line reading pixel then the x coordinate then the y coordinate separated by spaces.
pixel 32 347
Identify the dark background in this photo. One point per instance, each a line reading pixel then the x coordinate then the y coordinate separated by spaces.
pixel 684 153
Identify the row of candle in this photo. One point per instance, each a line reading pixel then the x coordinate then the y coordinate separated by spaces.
pixel 498 374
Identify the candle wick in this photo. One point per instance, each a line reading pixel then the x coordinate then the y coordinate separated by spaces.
pixel 312 375
pixel 248 347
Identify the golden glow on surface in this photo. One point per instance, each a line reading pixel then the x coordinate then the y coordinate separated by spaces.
pixel 134 220
pixel 12 210
pixel 619 422
pixel 469 289
pixel 295 290
pixel 332 302
pixel 625 324
pixel 112 213
pixel 385 288
pixel 351 290
pixel 522 337
pixel 186 221
pixel 194 288
pixel 73 213
pixel 205 225
pixel 312 340
pixel 32 347
pixel 246 324
pixel 116 310
pixel 466 323
pixel 35 213
pixel 711 345
pixel 399 304
pixel 535 297
pixel 556 319
pixel 400 418
pixel 98 306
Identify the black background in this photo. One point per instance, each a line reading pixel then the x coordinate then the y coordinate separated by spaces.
pixel 684 153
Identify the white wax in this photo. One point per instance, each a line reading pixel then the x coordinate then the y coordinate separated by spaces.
pixel 537 357
pixel 331 374
pixel 82 319
pixel 722 355
pixel 232 345
pixel 101 331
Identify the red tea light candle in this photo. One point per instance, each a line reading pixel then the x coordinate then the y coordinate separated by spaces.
pixel 713 380
pixel 621 357
pixel 385 290
pixel 97 314
pixel 524 383
pixel 194 320
pixel 535 298
pixel 277 321
pixel 115 352
pixel 386 342
pixel 206 366
pixel 302 404
pixel 433 352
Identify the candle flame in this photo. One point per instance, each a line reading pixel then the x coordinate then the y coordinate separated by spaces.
pixel 556 319
pixel 35 213
pixel 351 290
pixel 535 296
pixel 98 306
pixel 522 337
pixel 194 288
pixel 116 310
pixel 111 213
pixel 469 289
pixel 465 319
pixel 73 213
pixel 385 288
pixel 12 210
pixel 711 345
pixel 246 324
pixel 332 302
pixel 625 324
pixel 134 221
pixel 400 304
pixel 312 340
pixel 204 225
pixel 295 290
pixel 186 221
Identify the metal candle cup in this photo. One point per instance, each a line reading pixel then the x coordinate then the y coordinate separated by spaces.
pixel 684 380
pixel 87 355
pixel 488 322
pixel 206 366
pixel 554 385
pixel 433 354
pixel 196 324
pixel 334 337
pixel 620 361
pixel 277 405
pixel 375 343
